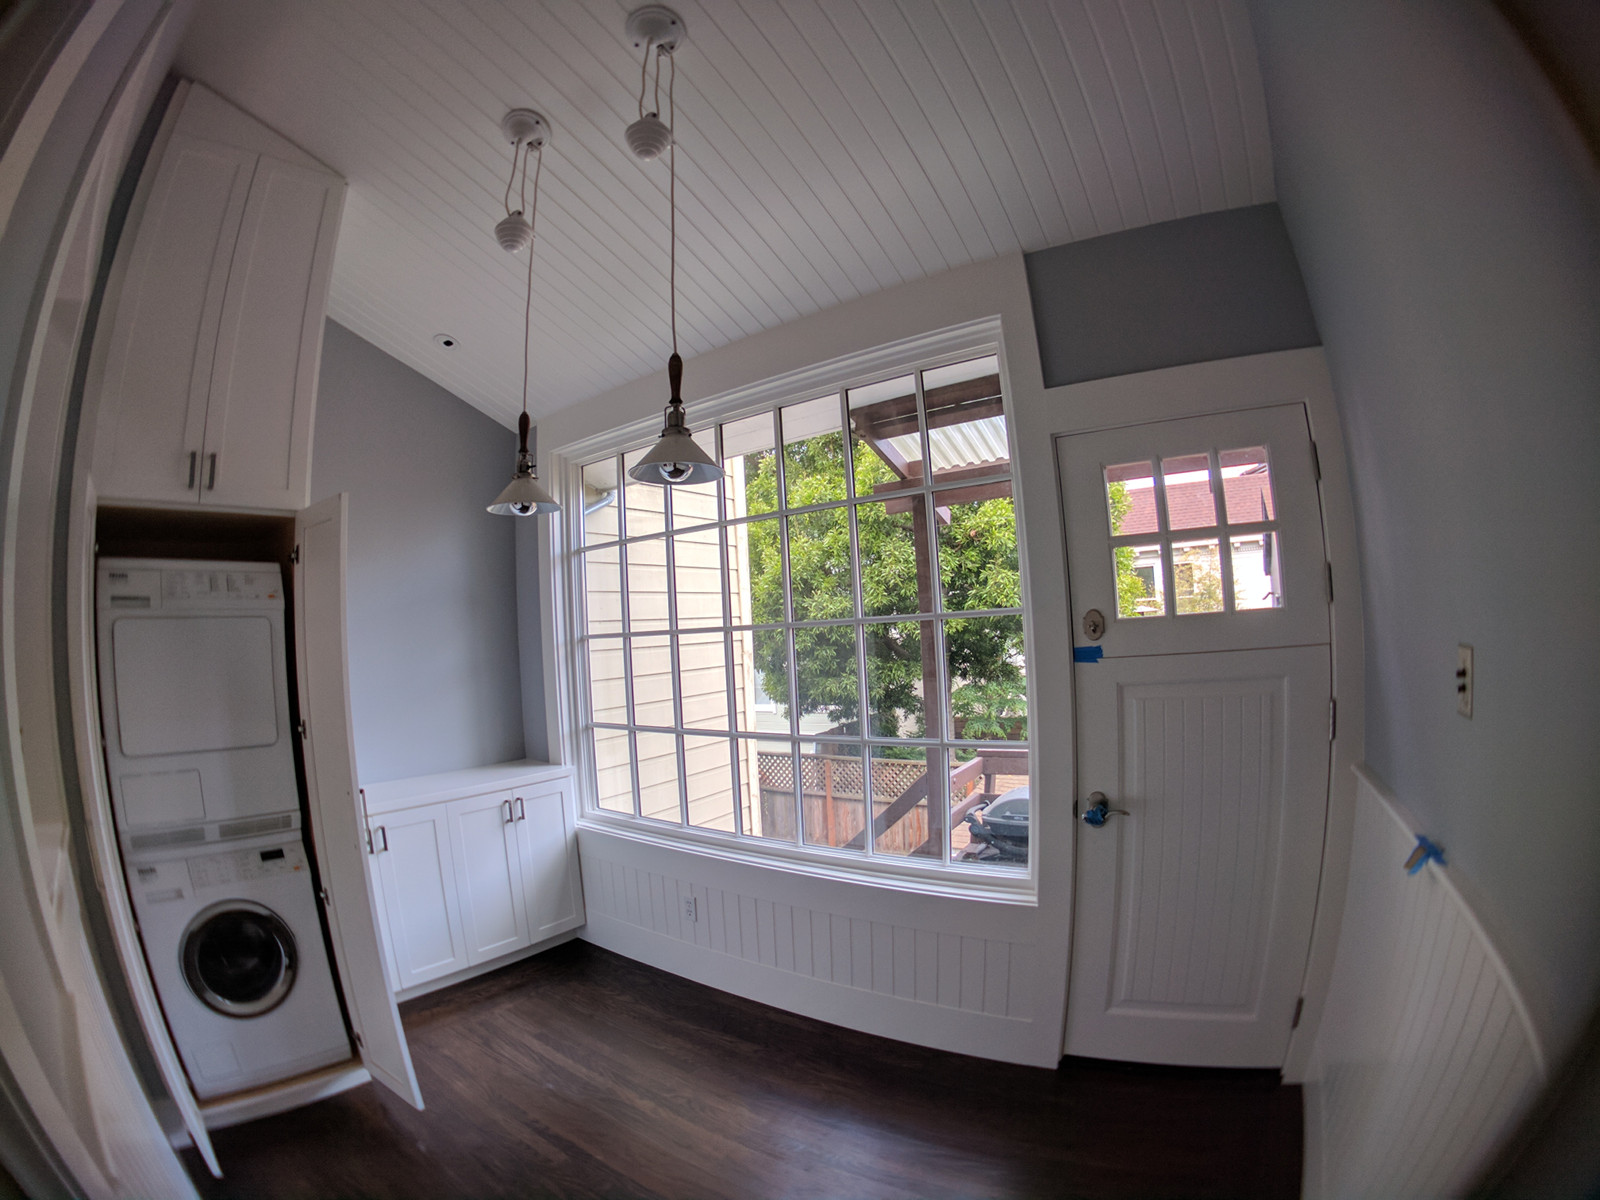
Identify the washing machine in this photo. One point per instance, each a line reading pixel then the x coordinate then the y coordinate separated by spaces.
pixel 234 944
pixel 194 695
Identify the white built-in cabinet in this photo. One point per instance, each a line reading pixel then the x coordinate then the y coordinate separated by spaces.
pixel 210 376
pixel 472 866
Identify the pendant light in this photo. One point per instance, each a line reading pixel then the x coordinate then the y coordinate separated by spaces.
pixel 676 458
pixel 528 132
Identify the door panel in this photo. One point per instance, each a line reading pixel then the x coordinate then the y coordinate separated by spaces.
pixel 1195 907
pixel 548 854
pixel 338 832
pixel 488 875
pixel 413 859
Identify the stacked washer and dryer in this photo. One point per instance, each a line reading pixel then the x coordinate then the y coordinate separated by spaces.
pixel 194 697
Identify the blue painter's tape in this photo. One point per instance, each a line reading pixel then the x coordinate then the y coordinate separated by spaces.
pixel 1087 653
pixel 1425 853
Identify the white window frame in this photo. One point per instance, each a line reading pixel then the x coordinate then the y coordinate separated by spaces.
pixel 566 535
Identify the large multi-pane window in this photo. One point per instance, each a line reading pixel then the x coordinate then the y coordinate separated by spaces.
pixel 825 648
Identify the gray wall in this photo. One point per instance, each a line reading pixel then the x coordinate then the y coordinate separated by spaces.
pixel 1219 285
pixel 434 671
pixel 1447 217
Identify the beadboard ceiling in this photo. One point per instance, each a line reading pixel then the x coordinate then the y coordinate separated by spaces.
pixel 827 149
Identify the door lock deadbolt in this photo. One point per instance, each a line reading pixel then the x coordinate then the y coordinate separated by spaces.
pixel 1094 625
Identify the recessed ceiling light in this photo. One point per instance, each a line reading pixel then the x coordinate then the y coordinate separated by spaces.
pixel 446 340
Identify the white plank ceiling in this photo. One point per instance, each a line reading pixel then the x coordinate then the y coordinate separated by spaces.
pixel 827 149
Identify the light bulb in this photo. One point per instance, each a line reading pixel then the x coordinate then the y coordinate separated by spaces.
pixel 676 472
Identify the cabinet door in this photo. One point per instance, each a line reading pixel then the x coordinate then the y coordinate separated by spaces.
pixel 263 382
pixel 548 848
pixel 163 341
pixel 419 892
pixel 488 875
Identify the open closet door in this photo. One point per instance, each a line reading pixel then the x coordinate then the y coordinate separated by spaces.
pixel 320 653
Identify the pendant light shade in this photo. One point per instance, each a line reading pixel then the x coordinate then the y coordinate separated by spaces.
pixel 524 495
pixel 677 458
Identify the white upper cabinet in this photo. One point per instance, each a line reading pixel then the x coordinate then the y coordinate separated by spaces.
pixel 209 381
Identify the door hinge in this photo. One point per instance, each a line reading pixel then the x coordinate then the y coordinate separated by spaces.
pixel 359 1041
pixel 323 894
pixel 1333 719
pixel 1316 462
pixel 1330 581
pixel 1299 1007
pixel 294 555
pixel 302 728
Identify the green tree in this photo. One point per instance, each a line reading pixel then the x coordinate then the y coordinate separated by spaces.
pixel 1132 591
pixel 978 570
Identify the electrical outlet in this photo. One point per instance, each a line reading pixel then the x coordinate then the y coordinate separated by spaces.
pixel 1464 680
pixel 691 908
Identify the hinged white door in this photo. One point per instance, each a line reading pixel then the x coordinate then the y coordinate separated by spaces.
pixel 488 875
pixel 412 856
pixel 164 335
pixel 340 840
pixel 1203 682
pixel 263 383
pixel 549 853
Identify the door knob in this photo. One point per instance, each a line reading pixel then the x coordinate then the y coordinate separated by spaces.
pixel 1099 809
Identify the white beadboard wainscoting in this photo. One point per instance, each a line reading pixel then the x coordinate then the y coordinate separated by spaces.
pixel 1426 1054
pixel 938 971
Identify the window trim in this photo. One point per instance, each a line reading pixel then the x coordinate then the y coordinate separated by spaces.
pixel 564 641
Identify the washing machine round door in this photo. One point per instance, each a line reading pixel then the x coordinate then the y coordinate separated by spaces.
pixel 239 958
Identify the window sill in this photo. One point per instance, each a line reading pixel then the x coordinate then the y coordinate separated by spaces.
pixel 992 887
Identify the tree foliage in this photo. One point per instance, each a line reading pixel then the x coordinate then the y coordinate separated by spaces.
pixel 978 570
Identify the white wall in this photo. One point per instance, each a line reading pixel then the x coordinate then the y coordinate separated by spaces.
pixel 434 671
pixel 1447 219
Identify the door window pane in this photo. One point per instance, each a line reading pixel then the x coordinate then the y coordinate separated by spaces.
pixel 1187 483
pixel 608 693
pixel 885 436
pixel 1257 579
pixel 647 584
pixel 1197 577
pixel 813 452
pixel 644 505
pixel 750 480
pixel 1131 499
pixel 978 547
pixel 697 577
pixel 767 786
pixel 966 420
pixel 990 813
pixel 892 536
pixel 907 798
pixel 901 671
pixel 820 566
pixel 988 681
pixel 600 507
pixel 613 770
pixel 1141 589
pixel 658 776
pixel 703 680
pixel 1247 484
pixel 602 590
pixel 708 781
pixel 696 504
pixel 833 799
pixel 652 681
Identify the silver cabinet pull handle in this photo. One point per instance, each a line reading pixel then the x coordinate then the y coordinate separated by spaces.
pixel 194 461
pixel 510 817
pixel 211 477
pixel 377 840
pixel 522 809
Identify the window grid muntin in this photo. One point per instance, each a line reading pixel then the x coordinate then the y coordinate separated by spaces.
pixel 925 492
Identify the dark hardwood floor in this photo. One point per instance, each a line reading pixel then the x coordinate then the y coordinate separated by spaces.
pixel 579 1073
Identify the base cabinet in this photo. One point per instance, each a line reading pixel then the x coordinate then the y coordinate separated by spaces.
pixel 472 865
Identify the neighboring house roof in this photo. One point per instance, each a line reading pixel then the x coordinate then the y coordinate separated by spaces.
pixel 1190 504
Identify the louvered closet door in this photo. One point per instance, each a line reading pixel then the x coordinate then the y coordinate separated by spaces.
pixel 1205 721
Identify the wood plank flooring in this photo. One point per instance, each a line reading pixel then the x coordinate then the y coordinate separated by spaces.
pixel 580 1073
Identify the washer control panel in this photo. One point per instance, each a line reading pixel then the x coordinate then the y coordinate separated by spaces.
pixel 238 866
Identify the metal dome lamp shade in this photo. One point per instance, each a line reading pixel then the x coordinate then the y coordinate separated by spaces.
pixel 676 458
pixel 524 495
